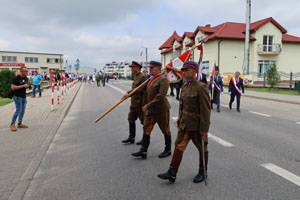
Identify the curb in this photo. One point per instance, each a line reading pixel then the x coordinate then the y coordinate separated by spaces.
pixel 269 99
pixel 23 184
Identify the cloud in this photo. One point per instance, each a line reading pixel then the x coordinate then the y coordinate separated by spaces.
pixel 98 32
pixel 4 44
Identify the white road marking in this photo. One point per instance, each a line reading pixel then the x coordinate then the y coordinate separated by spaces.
pixel 283 173
pixel 298 122
pixel 210 136
pixel 116 88
pixel 257 113
pixel 219 140
pixel 225 106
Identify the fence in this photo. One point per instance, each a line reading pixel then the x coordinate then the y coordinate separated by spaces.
pixel 288 80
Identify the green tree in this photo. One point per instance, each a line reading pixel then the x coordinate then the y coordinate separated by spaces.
pixel 272 76
pixel 6 77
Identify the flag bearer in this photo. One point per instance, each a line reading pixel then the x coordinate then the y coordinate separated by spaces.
pixel 216 85
pixel 156 111
pixel 137 101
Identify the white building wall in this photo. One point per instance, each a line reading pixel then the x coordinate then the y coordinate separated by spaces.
pixel 40 66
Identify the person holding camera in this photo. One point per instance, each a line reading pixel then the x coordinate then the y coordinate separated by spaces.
pixel 18 86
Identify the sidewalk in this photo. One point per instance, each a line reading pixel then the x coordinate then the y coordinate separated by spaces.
pixel 22 151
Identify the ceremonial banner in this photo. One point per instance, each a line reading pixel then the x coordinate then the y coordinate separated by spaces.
pixel 248 79
pixel 174 67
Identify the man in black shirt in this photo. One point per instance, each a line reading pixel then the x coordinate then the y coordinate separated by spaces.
pixel 19 85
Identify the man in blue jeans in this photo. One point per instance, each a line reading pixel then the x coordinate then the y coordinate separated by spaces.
pixel 19 85
pixel 37 80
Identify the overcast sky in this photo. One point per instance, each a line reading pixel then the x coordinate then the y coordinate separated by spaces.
pixel 101 31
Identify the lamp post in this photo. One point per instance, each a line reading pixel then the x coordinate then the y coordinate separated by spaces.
pixel 146 53
pixel 66 65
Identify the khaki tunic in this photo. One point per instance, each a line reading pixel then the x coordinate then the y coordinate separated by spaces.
pixel 157 107
pixel 137 100
pixel 194 115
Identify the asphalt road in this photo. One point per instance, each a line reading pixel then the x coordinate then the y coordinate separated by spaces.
pixel 254 154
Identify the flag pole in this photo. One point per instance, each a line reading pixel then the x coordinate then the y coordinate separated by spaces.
pixel 136 89
pixel 123 99
pixel 213 83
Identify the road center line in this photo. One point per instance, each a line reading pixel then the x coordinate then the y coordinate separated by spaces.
pixel 257 113
pixel 298 122
pixel 283 173
pixel 219 140
pixel 116 88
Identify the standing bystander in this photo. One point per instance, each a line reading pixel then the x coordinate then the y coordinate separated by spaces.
pixel 19 85
pixel 37 81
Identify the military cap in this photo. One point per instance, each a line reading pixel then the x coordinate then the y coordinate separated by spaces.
pixel 217 68
pixel 135 64
pixel 155 64
pixel 190 64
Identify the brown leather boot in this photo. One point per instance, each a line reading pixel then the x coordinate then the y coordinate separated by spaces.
pixel 171 173
pixel 22 126
pixel 13 127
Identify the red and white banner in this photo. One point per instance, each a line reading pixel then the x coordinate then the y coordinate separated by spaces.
pixel 218 88
pixel 175 74
pixel 235 82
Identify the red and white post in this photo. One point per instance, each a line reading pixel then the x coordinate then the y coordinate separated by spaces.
pixel 57 92
pixel 62 89
pixel 52 97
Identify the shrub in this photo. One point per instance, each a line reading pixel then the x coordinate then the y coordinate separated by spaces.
pixel 272 76
pixel 6 77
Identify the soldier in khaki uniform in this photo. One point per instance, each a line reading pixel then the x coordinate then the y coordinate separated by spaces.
pixel 193 123
pixel 136 101
pixel 156 111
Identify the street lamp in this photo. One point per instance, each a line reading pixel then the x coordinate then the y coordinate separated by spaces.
pixel 146 52
pixel 66 65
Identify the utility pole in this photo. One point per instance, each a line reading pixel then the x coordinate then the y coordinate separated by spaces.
pixel 247 39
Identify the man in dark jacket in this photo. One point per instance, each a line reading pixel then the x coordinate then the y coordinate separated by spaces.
pixel 236 88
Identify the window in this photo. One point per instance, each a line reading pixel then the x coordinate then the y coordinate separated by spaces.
pixel 54 60
pixel 205 67
pixel 268 43
pixel 263 66
pixel 31 60
pixel 9 58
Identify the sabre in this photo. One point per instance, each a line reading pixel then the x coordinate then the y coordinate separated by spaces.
pixel 204 162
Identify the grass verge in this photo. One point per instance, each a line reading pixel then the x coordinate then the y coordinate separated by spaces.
pixel 4 101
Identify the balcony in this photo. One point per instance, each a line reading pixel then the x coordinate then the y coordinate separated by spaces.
pixel 274 49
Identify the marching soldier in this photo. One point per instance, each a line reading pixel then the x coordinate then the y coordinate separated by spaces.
pixel 193 122
pixel 136 102
pixel 98 78
pixel 235 86
pixel 156 111
pixel 217 89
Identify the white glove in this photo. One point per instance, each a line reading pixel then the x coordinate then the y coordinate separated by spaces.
pixel 229 93
pixel 222 93
pixel 243 94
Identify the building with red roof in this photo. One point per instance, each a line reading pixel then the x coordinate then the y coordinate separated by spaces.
pixel 224 44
